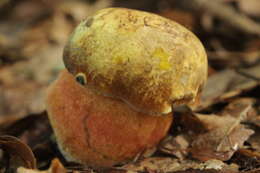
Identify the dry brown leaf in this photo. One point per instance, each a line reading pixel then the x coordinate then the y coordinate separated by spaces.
pixel 212 136
pixel 176 146
pixel 25 170
pixel 38 46
pixel 34 53
pixel 250 7
pixel 227 84
pixel 36 132
pixel 81 10
pixel 237 105
pixel 188 127
pixel 222 57
pixel 18 153
pixel 22 97
pixel 164 164
pixel 16 102
pixel 219 145
pixel 56 167
pixel 24 83
pixel 160 164
pixel 229 59
pixel 225 136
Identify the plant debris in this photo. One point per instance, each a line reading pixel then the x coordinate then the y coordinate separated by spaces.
pixel 218 134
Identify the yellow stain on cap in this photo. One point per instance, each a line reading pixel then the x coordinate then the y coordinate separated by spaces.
pixel 163 57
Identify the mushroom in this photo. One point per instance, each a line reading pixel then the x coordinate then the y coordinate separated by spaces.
pixel 127 69
pixel 96 130
pixel 147 61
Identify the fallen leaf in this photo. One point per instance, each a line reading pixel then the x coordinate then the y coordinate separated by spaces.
pixel 229 59
pixel 18 153
pixel 219 145
pixel 56 167
pixel 236 107
pixel 164 164
pixel 186 128
pixel 250 7
pixel 80 10
pixel 227 84
pixel 34 34
pixel 225 136
pixel 177 146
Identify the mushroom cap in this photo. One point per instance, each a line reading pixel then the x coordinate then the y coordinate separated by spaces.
pixel 96 130
pixel 149 62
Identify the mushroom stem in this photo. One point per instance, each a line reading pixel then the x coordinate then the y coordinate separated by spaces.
pixel 96 130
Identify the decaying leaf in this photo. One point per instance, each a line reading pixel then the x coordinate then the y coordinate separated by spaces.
pixel 251 8
pixel 223 58
pixel 17 153
pixel 219 144
pixel 32 40
pixel 210 136
pixel 32 37
pixel 227 84
pixel 225 136
pixel 188 127
pixel 176 146
pixel 36 132
pixel 80 9
pixel 236 106
pixel 164 164
pixel 56 167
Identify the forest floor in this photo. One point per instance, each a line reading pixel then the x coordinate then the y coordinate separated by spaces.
pixel 220 135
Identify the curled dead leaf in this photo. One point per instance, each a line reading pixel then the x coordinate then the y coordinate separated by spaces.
pixel 18 153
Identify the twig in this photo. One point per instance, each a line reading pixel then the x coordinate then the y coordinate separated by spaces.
pixel 225 13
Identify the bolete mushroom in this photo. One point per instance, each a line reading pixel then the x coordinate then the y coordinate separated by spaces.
pixel 96 130
pixel 132 67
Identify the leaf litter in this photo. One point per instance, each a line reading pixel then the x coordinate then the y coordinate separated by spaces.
pixel 219 134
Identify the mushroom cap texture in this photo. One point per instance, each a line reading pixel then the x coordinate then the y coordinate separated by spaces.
pixel 150 62
pixel 96 130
